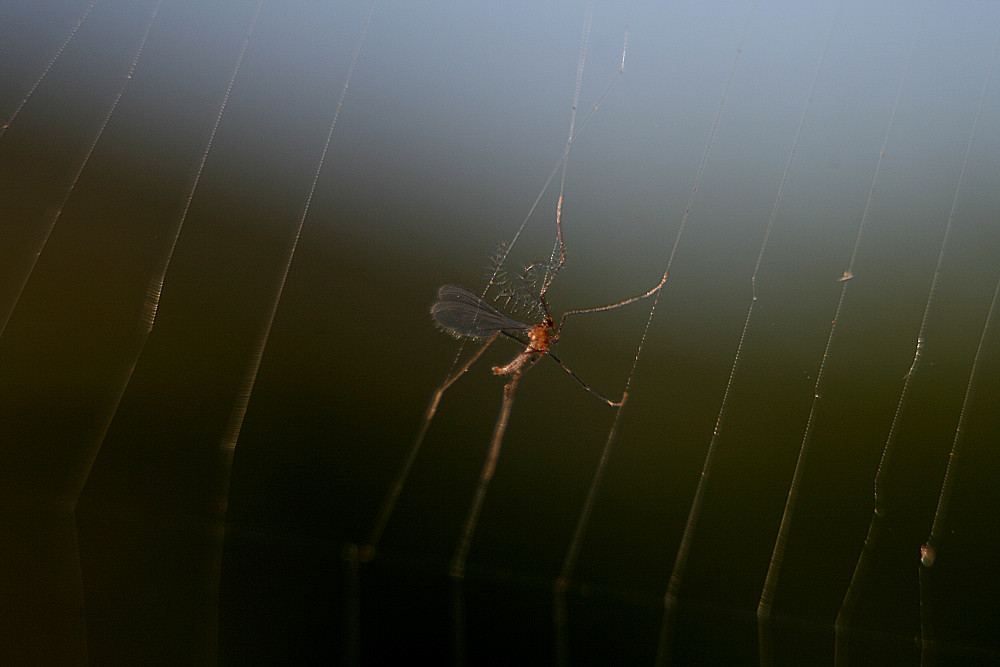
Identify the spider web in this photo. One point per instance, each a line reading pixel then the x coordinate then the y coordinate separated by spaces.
pixel 215 326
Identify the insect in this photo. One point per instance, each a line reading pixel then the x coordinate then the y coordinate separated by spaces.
pixel 466 315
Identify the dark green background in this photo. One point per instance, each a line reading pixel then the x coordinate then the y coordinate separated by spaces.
pixel 454 119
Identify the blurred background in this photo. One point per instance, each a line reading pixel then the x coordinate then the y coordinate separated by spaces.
pixel 148 519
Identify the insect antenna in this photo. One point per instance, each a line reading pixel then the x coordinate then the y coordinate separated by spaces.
pixel 531 288
pixel 521 293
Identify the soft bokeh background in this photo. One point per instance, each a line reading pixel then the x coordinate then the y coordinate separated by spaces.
pixel 114 473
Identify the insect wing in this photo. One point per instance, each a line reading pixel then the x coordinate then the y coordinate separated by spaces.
pixel 464 314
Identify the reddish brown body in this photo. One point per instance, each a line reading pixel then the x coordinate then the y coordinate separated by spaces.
pixel 539 338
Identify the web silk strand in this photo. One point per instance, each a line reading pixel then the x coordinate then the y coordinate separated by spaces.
pixel 228 444
pixel 155 286
pixel 45 70
pixel 929 551
pixel 231 434
pixel 666 629
pixel 47 231
pixel 931 547
pixel 880 518
pixel 765 608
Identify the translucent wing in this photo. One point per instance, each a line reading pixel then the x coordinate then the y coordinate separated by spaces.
pixel 464 314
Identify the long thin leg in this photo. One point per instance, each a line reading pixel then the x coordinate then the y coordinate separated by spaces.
pixel 614 404
pixel 368 550
pixel 626 302
pixel 457 569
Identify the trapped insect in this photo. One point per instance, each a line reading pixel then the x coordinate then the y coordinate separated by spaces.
pixel 466 315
